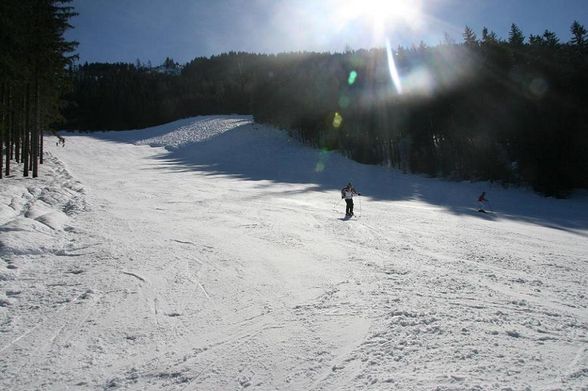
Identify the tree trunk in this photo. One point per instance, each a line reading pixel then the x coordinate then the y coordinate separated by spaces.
pixel 27 125
pixel 3 126
pixel 9 132
pixel 41 145
pixel 18 132
pixel 35 132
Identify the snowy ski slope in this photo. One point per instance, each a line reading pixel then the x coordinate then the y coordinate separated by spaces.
pixel 211 254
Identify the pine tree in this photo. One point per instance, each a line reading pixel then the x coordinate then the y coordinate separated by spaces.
pixel 515 36
pixel 578 34
pixel 489 37
pixel 550 39
pixel 535 40
pixel 469 37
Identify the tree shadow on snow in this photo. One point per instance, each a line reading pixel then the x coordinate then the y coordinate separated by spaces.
pixel 259 153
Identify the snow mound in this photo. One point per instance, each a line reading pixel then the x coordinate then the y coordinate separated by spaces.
pixel 179 133
pixel 55 220
pixel 34 211
pixel 195 131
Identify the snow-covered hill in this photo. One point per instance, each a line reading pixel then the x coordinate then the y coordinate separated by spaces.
pixel 211 253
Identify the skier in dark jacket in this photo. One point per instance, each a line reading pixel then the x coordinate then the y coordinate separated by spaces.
pixel 347 193
pixel 482 201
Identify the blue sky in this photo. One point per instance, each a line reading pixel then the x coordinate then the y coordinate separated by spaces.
pixel 151 30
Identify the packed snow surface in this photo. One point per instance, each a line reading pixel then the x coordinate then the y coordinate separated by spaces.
pixel 212 253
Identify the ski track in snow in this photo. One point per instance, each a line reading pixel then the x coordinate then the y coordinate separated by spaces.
pixel 206 254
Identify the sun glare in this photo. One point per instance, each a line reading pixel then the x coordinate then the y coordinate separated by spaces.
pixel 382 12
pixel 386 20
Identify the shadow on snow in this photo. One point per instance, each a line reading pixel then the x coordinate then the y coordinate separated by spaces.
pixel 260 153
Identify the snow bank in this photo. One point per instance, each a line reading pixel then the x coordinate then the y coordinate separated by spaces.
pixel 34 211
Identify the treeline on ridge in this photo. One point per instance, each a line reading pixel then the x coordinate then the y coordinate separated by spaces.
pixel 507 110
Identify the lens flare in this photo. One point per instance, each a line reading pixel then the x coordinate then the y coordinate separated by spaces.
pixel 337 120
pixel 352 77
pixel 419 81
pixel 392 68
pixel 538 87
pixel 321 164
pixel 344 101
pixel 320 167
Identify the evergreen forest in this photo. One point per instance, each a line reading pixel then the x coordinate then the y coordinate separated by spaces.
pixel 509 110
pixel 33 78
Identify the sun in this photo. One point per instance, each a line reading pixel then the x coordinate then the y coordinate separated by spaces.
pixel 390 10
pixel 381 12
